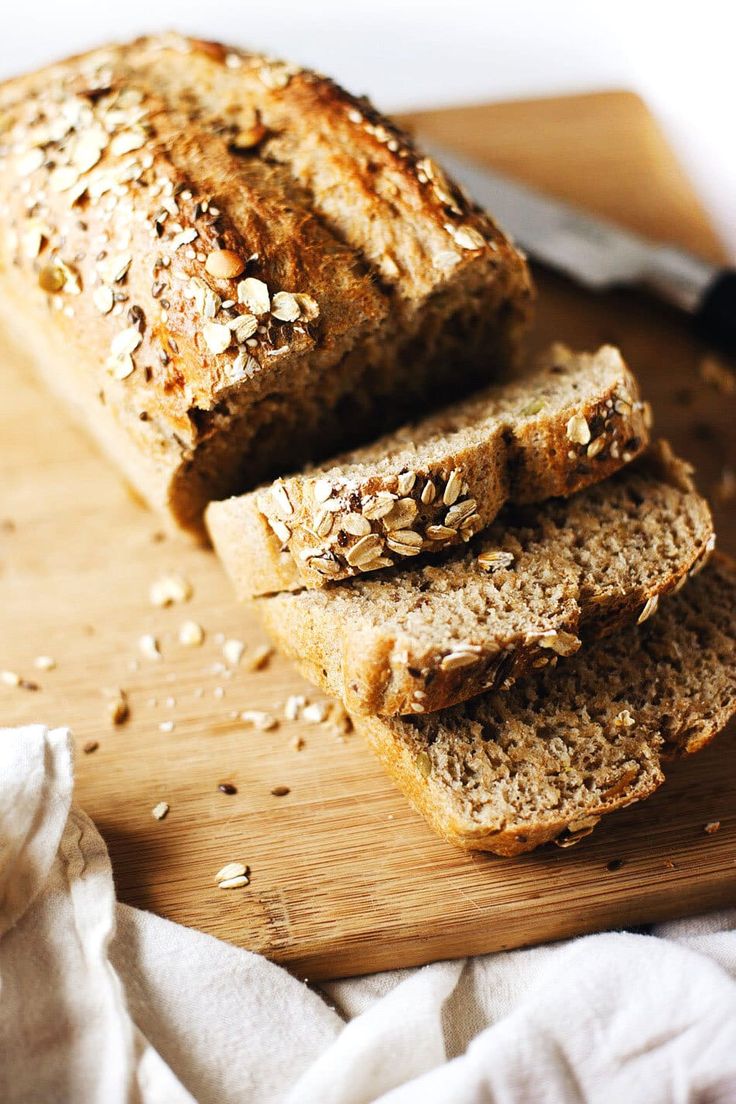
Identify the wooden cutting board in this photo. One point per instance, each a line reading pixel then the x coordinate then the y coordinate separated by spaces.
pixel 345 877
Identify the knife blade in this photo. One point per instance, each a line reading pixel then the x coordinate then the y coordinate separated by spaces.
pixel 599 253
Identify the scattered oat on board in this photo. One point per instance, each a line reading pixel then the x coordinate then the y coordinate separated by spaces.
pixel 170 589
pixel 712 827
pixel 166 726
pixel 118 708
pixel 259 658
pixel 293 707
pixel 316 713
pixel 148 646
pixel 191 634
pixel 44 663
pixel 259 719
pixel 158 812
pixel 233 650
pixel 233 875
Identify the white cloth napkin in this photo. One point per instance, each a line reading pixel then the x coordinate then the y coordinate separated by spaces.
pixel 103 1003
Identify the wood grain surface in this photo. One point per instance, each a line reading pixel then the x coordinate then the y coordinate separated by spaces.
pixel 346 878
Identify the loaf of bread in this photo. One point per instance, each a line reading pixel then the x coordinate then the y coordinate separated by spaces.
pixel 436 483
pixel 544 761
pixel 523 592
pixel 229 266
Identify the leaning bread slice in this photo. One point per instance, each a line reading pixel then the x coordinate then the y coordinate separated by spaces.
pixel 440 631
pixel 507 772
pixel 434 484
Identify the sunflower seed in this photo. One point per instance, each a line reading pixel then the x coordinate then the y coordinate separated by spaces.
pixel 125 342
pixel 405 483
pixel 280 497
pixel 467 237
pixel 453 487
pixel 429 493
pixel 231 870
pixel 322 490
pixel 233 883
pixel 184 237
pixel 280 528
pixel 650 607
pixel 454 660
pixel 324 521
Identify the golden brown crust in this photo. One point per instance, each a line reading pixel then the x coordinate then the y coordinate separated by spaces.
pixel 354 518
pixel 124 170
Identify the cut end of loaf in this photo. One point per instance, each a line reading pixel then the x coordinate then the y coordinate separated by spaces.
pixel 256 296
pixel 547 759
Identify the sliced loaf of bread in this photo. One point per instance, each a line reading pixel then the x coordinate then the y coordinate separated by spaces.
pixel 439 631
pixel 434 484
pixel 507 772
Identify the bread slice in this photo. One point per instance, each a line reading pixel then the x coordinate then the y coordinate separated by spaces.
pixel 229 266
pixel 507 772
pixel 523 592
pixel 434 484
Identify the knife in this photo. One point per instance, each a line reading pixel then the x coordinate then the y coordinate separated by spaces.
pixel 600 254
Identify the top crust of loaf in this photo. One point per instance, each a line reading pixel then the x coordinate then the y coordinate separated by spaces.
pixel 436 483
pixel 123 170
pixel 507 772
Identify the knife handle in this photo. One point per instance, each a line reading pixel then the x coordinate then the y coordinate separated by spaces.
pixel 715 317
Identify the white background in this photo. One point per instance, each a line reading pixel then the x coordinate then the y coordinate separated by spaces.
pixel 414 53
